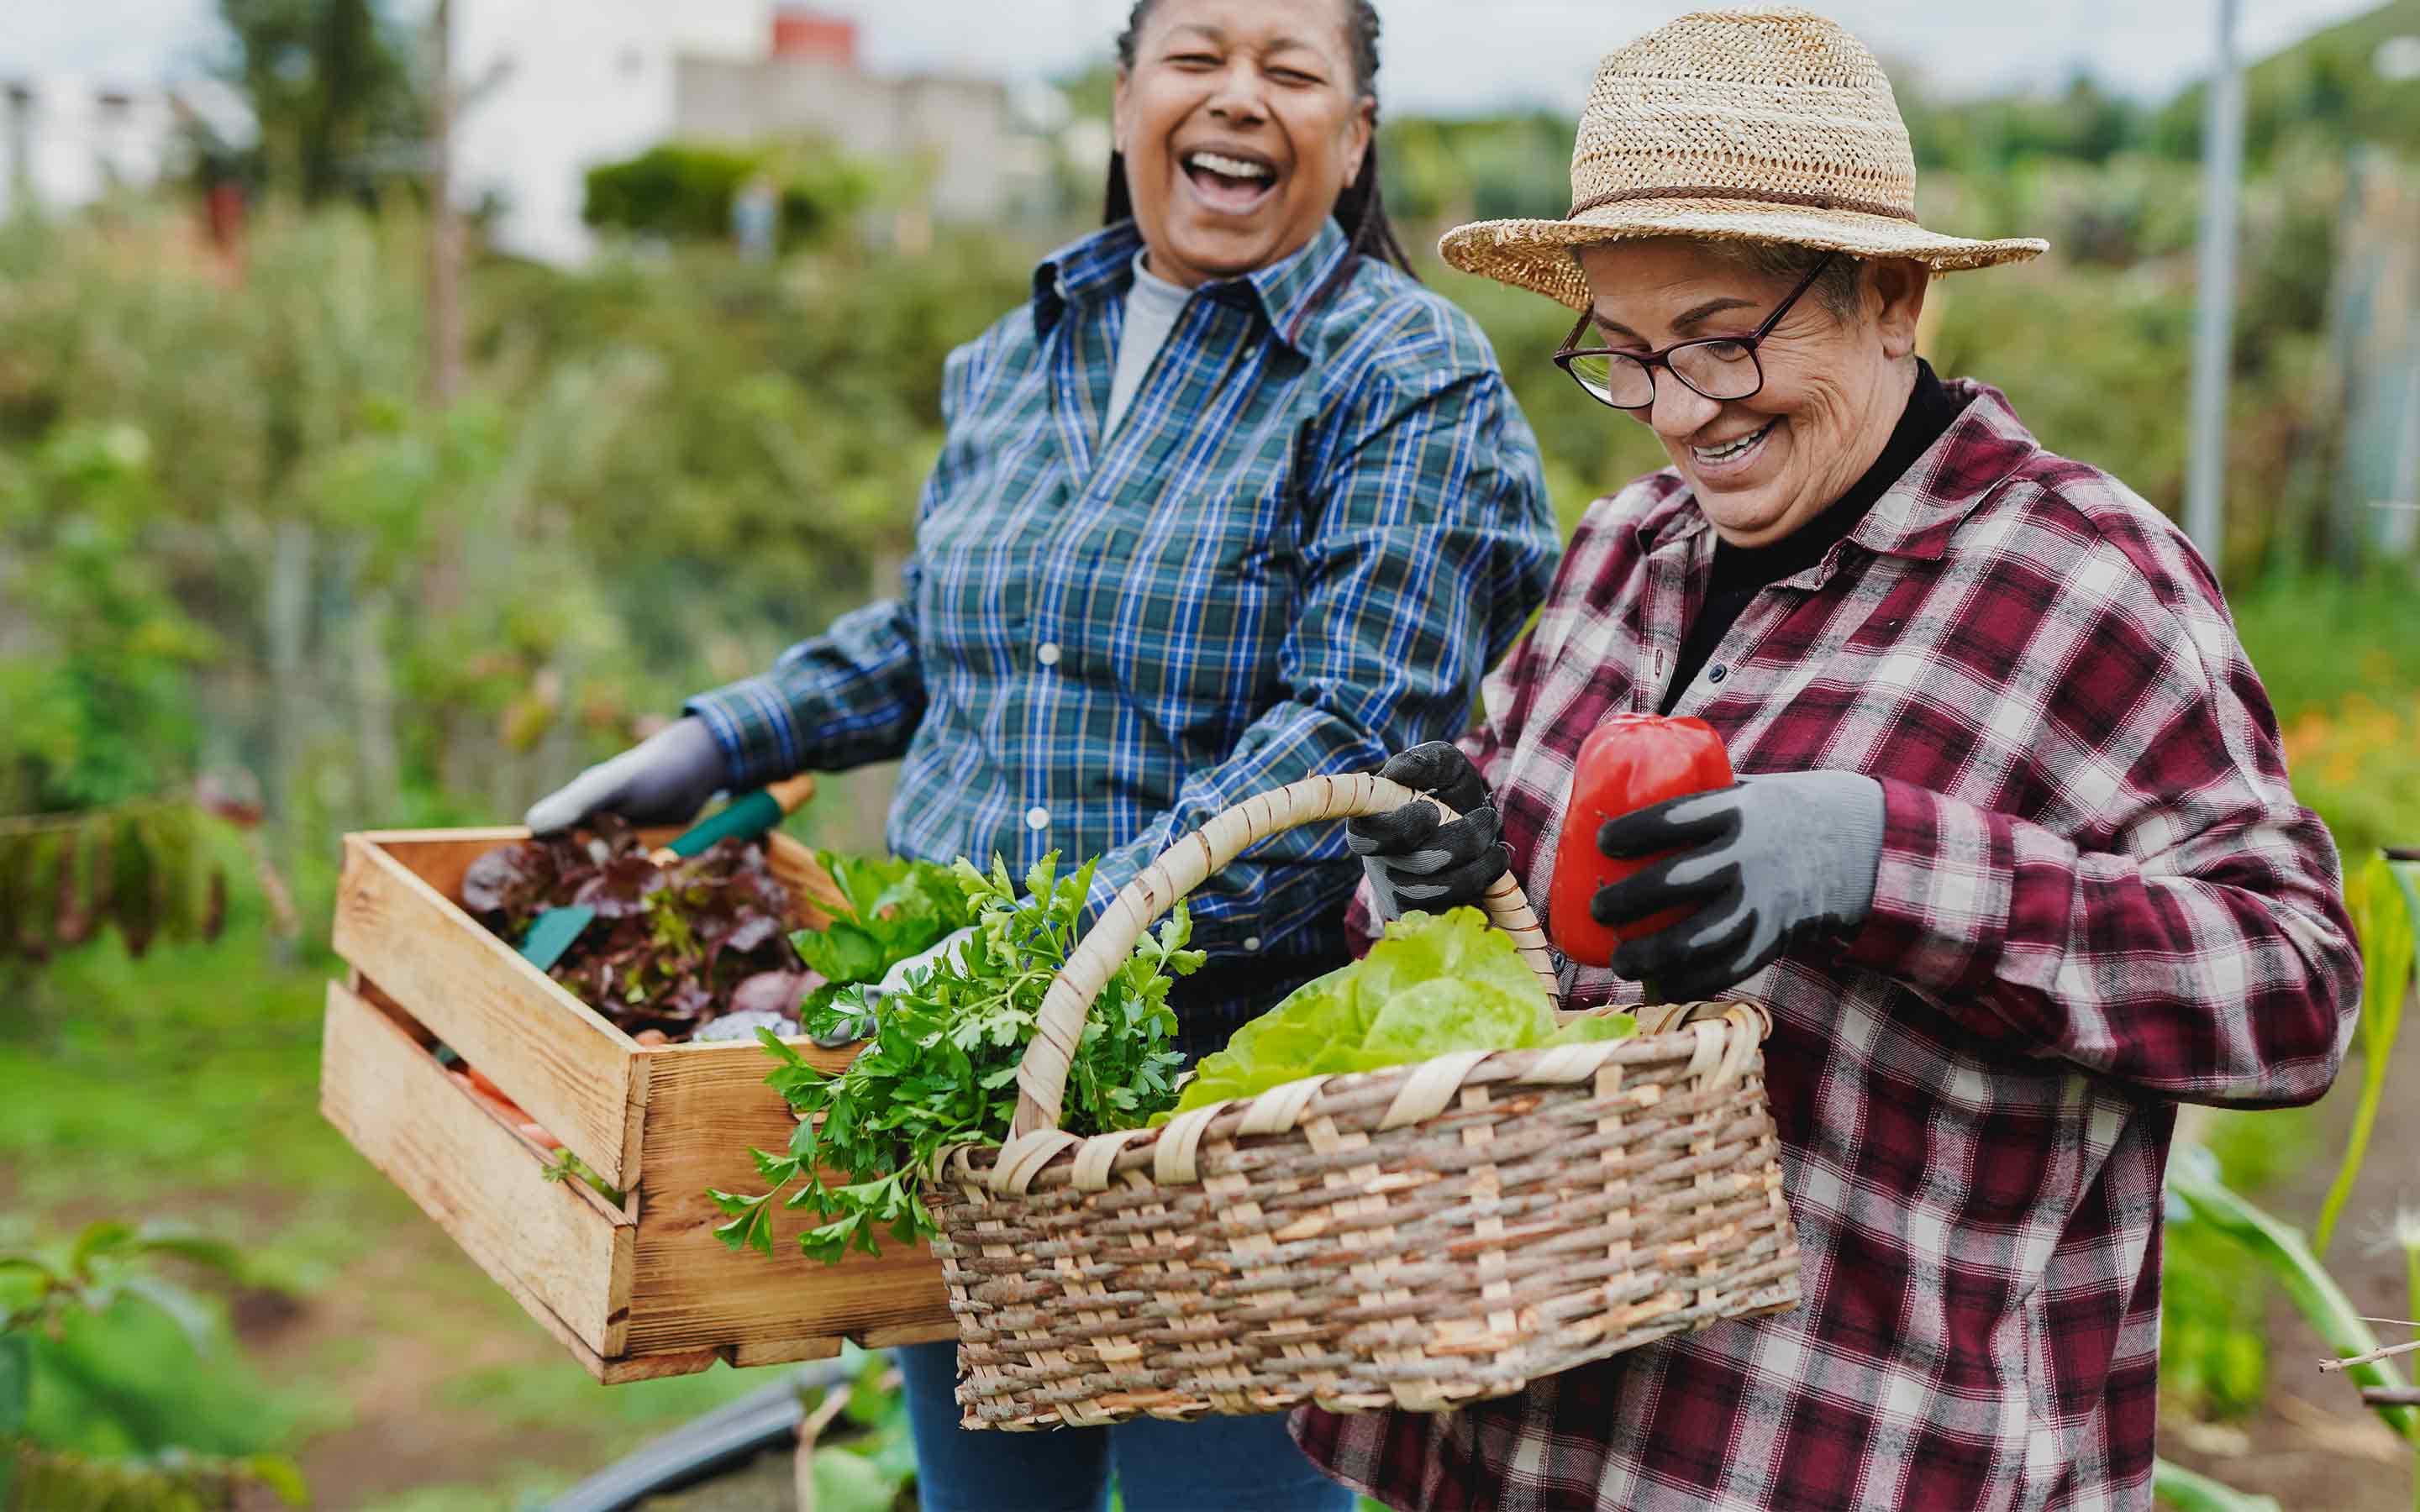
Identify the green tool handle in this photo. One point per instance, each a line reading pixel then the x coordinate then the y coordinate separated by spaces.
pixel 745 817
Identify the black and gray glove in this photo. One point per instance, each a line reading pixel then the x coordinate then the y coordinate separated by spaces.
pixel 661 781
pixel 1414 861
pixel 1764 864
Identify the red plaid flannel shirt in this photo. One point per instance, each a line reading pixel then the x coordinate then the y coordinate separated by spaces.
pixel 2098 898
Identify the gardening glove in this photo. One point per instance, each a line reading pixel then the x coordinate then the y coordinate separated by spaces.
pixel 1414 860
pixel 661 781
pixel 1764 864
pixel 902 975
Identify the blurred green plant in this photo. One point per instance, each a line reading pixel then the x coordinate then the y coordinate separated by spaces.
pixel 100 692
pixel 2191 1492
pixel 685 190
pixel 107 1442
pixel 2385 904
pixel 2314 1292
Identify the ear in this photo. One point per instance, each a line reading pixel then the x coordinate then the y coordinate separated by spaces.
pixel 1118 111
pixel 1897 288
pixel 1363 126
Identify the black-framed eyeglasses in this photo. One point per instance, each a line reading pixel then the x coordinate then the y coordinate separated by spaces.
pixel 1718 367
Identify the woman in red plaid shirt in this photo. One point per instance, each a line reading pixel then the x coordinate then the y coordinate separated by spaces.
pixel 2013 860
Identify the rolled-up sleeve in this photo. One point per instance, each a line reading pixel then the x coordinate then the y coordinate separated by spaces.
pixel 2182 930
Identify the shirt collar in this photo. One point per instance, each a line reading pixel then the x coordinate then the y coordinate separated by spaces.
pixel 1917 515
pixel 1286 292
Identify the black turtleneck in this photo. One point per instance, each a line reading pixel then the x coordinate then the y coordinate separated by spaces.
pixel 1741 571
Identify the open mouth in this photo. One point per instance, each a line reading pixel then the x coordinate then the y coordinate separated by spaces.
pixel 1231 182
pixel 1731 454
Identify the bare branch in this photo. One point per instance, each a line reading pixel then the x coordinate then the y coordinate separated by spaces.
pixel 2371 1357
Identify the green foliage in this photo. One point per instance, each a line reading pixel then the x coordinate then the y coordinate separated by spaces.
pixel 2281 1249
pixel 1434 984
pixel 329 84
pixel 941 1068
pixel 2214 1308
pixel 147 869
pixel 100 700
pixel 49 1480
pixel 101 1373
pixel 2384 908
pixel 887 911
pixel 2328 83
pixel 684 191
pixel 2189 1490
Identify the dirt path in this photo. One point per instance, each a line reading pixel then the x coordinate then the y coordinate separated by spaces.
pixel 2313 1445
pixel 409 1430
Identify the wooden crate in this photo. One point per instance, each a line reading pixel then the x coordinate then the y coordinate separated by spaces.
pixel 634 1291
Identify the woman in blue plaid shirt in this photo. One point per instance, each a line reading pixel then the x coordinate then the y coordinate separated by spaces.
pixel 1232 502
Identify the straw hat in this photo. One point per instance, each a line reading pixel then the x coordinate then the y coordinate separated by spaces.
pixel 1770 124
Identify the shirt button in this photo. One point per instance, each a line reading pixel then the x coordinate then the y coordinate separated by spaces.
pixel 1037 817
pixel 1251 942
pixel 1717 673
pixel 1046 653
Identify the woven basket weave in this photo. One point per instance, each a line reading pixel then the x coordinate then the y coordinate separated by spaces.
pixel 1417 1238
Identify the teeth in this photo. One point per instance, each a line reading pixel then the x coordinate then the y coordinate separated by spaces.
pixel 1231 167
pixel 1725 453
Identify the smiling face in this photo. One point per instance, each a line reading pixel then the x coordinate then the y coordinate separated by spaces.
pixel 1241 122
pixel 1834 386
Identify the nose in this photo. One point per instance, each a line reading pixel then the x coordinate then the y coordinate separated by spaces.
pixel 1238 99
pixel 1679 411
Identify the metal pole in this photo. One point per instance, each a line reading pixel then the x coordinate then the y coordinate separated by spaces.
pixel 445 376
pixel 2215 314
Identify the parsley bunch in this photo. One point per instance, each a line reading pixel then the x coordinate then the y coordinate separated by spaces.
pixel 941 1069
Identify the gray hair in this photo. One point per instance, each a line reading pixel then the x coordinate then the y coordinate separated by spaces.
pixel 1836 291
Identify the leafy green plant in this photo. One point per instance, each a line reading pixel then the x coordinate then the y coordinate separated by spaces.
pixel 887 911
pixel 1435 983
pixel 941 1068
pixel 2385 905
pixel 44 1294
pixel 2192 1492
pixel 2314 1292
pixel 680 189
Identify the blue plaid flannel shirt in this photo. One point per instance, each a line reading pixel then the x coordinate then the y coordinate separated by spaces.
pixel 1319 524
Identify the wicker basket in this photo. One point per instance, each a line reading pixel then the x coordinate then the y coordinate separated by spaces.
pixel 1418 1238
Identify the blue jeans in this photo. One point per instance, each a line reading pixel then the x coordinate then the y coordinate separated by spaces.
pixel 1214 1464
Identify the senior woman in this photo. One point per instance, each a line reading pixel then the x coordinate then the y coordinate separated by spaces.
pixel 2013 861
pixel 1231 502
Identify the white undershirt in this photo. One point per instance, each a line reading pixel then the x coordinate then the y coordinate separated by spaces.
pixel 1153 306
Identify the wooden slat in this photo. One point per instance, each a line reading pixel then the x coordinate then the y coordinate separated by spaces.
pixel 707 1107
pixel 578 1077
pixel 812 891
pixel 440 857
pixel 556 1245
pixel 783 1352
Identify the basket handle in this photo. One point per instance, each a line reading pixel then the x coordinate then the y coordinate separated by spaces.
pixel 1042 1076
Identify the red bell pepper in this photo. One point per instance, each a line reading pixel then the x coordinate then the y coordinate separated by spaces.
pixel 1627 763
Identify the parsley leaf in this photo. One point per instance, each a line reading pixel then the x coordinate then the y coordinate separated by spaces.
pixel 941 1067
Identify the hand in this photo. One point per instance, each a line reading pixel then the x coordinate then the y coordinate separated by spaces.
pixel 902 975
pixel 906 974
pixel 1414 859
pixel 1764 864
pixel 661 781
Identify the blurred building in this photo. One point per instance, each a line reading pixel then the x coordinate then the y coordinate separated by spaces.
pixel 554 87
pixel 959 138
pixel 66 141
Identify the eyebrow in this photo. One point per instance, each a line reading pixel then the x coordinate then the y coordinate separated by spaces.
pixel 1695 316
pixel 1218 34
